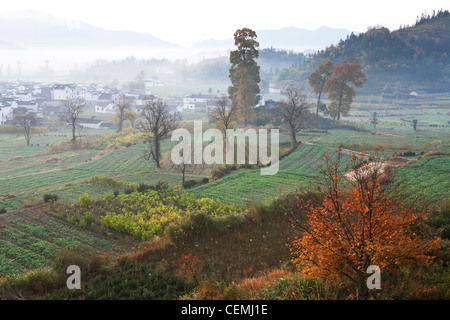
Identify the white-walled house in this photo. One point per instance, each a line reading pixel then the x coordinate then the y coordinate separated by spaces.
pixel 197 102
pixel 6 113
pixel 90 96
pixel 274 90
pixel 24 95
pixel 66 92
pixel 105 107
pixel 62 92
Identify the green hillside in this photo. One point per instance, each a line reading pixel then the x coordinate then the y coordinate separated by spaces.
pixel 395 62
pixel 249 186
pixel 420 50
pixel 32 237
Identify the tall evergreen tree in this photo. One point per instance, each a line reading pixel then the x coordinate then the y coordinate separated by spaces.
pixel 244 71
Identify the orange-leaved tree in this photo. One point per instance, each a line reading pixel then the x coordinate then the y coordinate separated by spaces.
pixel 339 89
pixel 357 223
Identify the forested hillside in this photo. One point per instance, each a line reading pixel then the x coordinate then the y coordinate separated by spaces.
pixel 417 53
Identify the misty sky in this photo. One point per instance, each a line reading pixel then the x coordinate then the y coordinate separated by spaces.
pixel 189 21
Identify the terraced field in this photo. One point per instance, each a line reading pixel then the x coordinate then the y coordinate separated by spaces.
pixel 29 172
pixel 31 237
pixel 391 140
pixel 429 178
pixel 295 170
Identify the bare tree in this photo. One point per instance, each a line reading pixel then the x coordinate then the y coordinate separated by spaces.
pixel 187 167
pixel 294 110
pixel 156 123
pixel 26 122
pixel 70 111
pixel 223 113
pixel 124 111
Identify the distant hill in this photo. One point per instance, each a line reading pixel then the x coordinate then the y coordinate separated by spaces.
pixel 289 38
pixel 32 29
pixel 420 51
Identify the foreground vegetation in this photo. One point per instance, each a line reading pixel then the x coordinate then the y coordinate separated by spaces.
pixel 207 254
pixel 97 204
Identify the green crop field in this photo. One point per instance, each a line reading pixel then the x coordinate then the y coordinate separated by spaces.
pixel 29 172
pixel 429 178
pixel 391 140
pixel 31 238
pixel 296 170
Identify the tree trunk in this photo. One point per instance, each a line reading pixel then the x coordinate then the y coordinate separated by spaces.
pixel 73 131
pixel 361 290
pixel 293 136
pixel 157 152
pixel 339 108
pixel 318 101
pixel 340 104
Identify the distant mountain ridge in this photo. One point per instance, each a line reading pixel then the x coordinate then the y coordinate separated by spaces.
pixel 30 29
pixel 288 38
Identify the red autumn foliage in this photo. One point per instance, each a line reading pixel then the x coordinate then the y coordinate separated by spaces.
pixel 356 224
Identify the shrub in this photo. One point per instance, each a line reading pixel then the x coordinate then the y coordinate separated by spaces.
pixel 50 197
pixel 2 210
pixel 217 173
pixel 441 219
pixel 85 200
pixel 188 267
pixel 128 190
pixel 143 187
pixel 205 180
pixel 189 184
pixel 246 166
pixel 88 219
pixel 39 281
pixel 409 154
pixel 220 171
pixel 160 185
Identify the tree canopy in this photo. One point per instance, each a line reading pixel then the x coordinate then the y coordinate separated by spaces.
pixel 319 77
pixel 244 71
pixel 356 223
pixel 339 88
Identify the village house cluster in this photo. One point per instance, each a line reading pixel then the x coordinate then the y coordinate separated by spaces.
pixel 45 100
